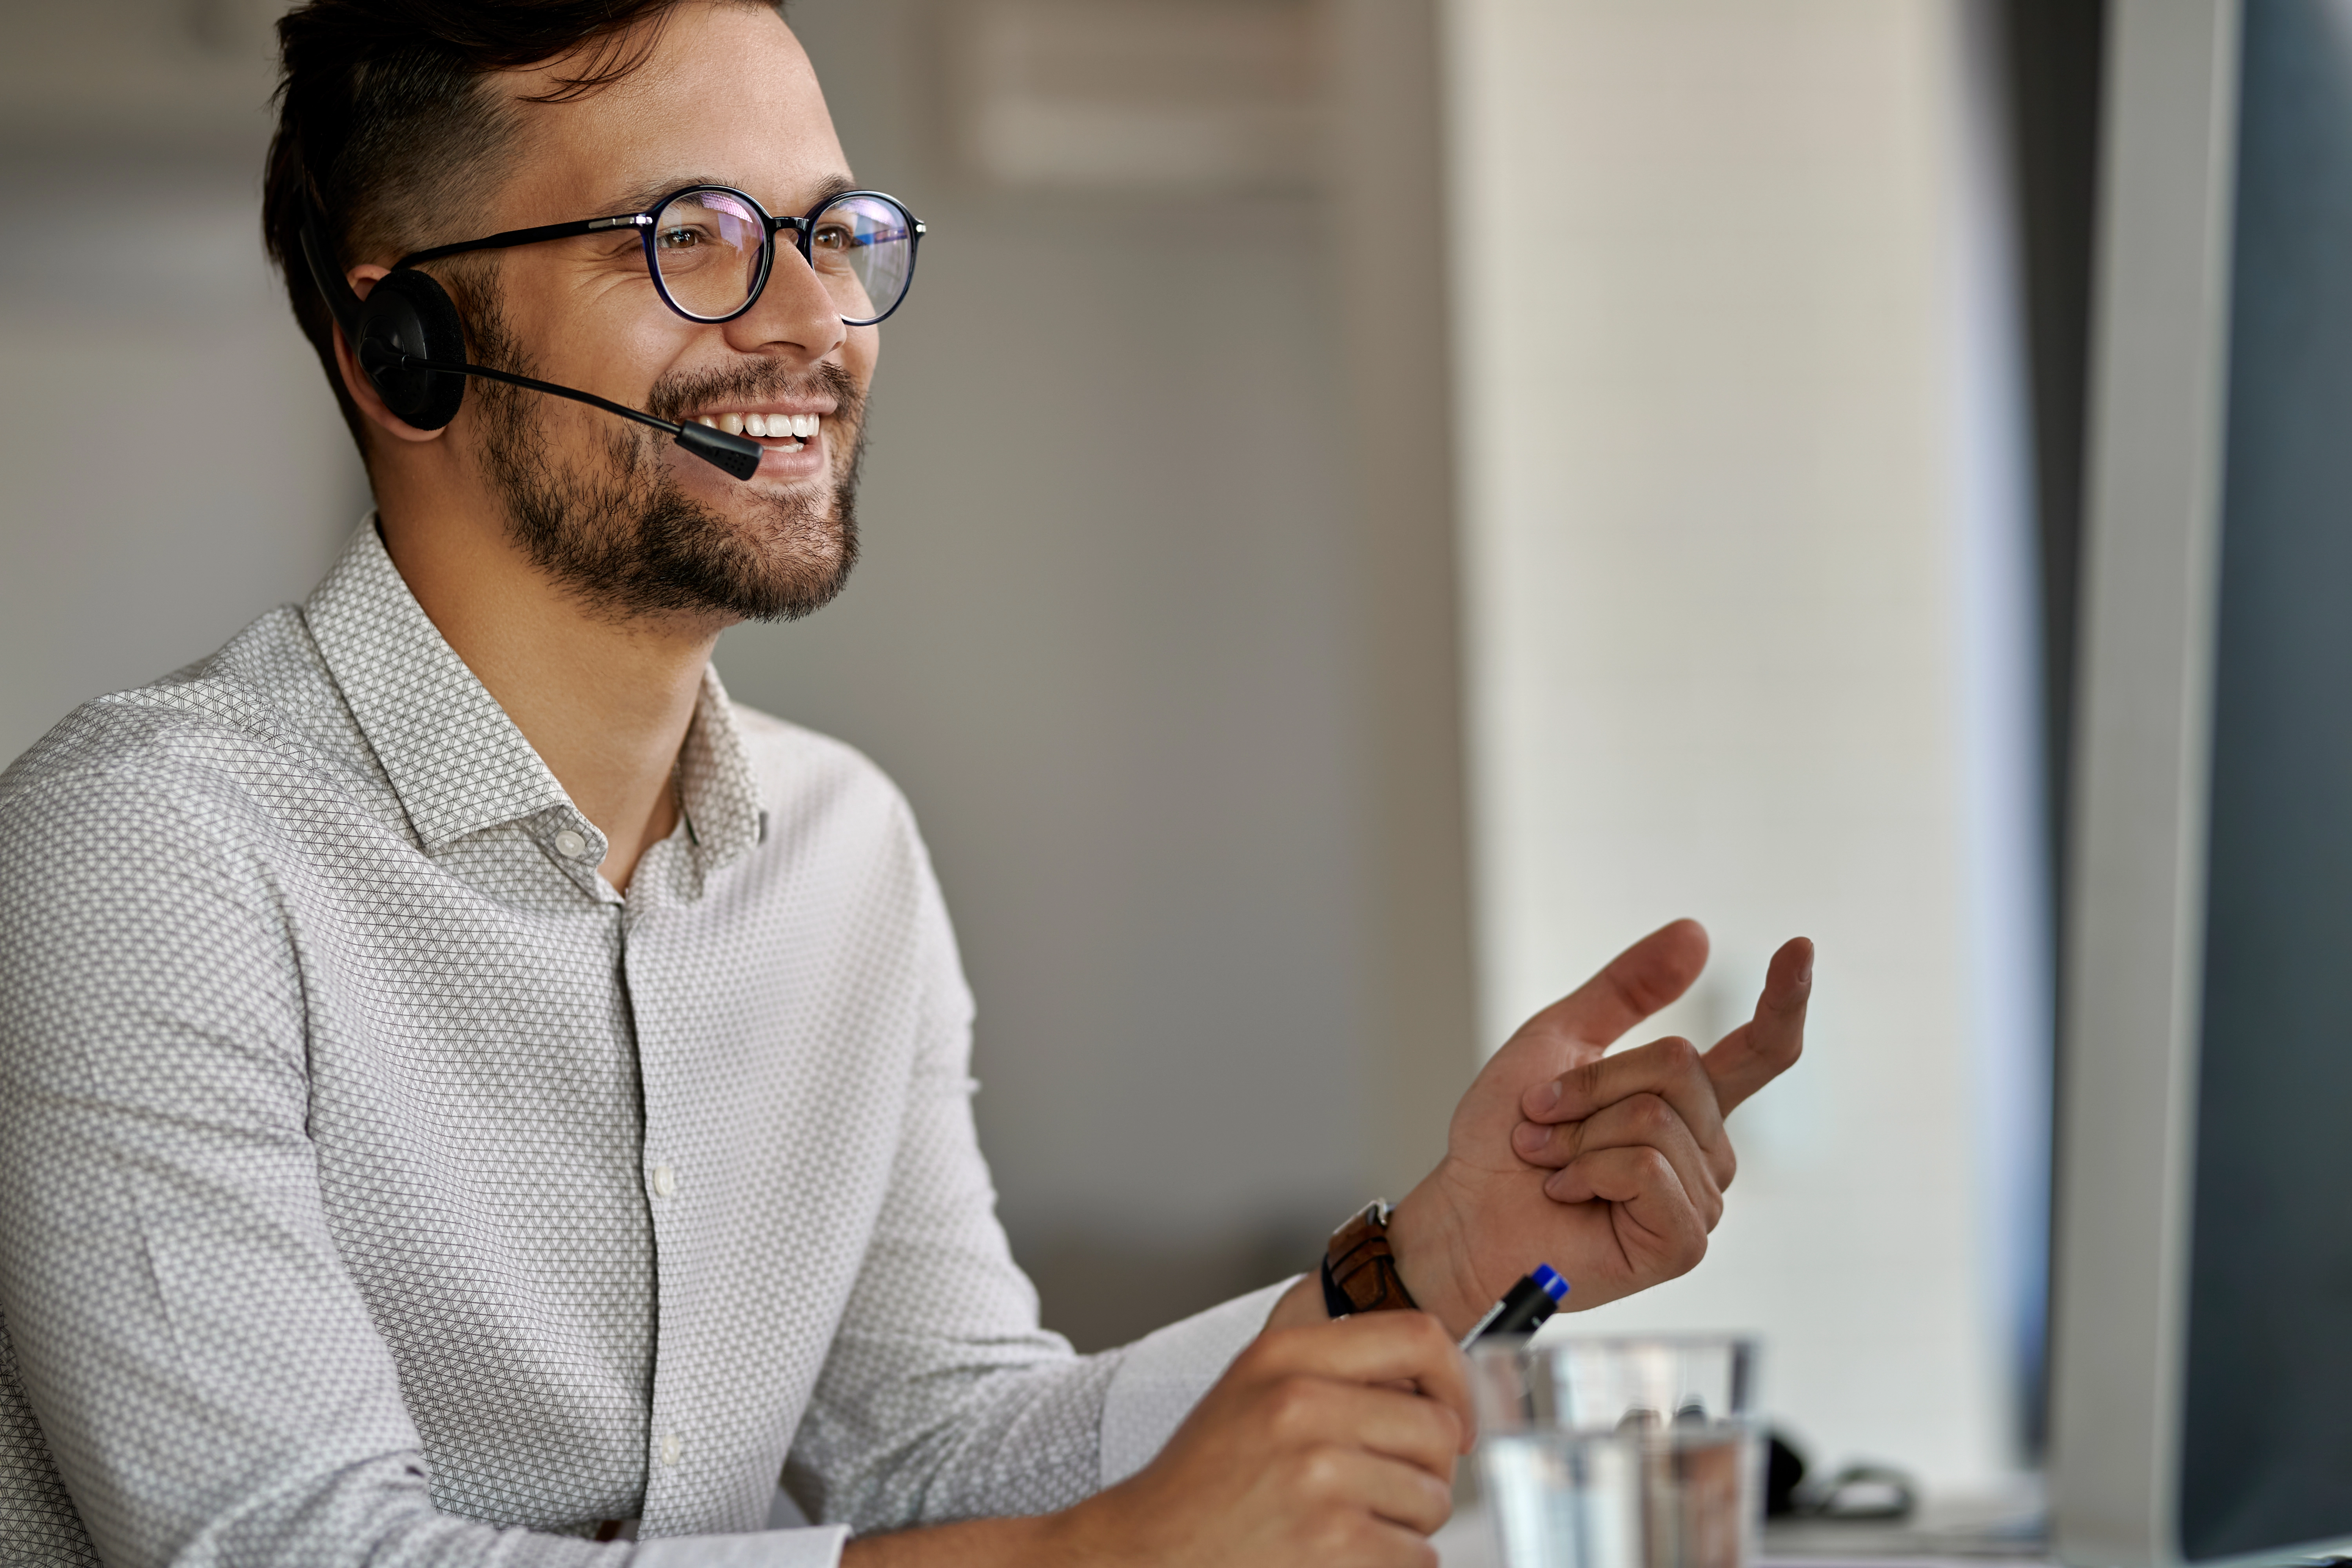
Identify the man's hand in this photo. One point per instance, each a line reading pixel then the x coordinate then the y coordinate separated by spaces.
pixel 1308 1450
pixel 1332 1444
pixel 1610 1168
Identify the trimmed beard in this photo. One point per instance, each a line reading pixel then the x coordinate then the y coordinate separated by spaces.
pixel 624 538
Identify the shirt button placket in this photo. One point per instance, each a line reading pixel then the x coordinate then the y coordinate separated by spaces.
pixel 662 1138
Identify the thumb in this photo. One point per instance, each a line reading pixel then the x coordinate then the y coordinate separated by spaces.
pixel 1639 982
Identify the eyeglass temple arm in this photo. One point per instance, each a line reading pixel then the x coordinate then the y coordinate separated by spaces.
pixel 515 236
pixel 738 455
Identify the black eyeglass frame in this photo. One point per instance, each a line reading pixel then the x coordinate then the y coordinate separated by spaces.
pixel 803 228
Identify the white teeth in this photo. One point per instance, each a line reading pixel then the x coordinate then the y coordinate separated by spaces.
pixel 800 427
pixel 772 426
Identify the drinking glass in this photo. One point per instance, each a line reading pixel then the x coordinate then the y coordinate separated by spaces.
pixel 1620 1453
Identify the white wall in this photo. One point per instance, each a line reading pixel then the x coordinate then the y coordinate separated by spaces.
pixel 1745 610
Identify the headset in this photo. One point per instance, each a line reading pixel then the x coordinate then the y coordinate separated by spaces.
pixel 411 345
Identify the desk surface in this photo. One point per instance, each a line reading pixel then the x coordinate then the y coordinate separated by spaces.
pixel 1954 1536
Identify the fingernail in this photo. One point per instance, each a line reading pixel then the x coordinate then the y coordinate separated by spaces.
pixel 1548 1098
pixel 1527 1139
pixel 1805 974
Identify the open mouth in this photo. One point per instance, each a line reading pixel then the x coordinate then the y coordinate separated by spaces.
pixel 791 432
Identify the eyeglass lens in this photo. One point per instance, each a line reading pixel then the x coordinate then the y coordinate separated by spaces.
pixel 708 245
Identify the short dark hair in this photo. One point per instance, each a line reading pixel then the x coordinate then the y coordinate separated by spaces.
pixel 382 123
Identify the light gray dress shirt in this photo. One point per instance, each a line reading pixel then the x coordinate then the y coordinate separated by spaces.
pixel 378 1186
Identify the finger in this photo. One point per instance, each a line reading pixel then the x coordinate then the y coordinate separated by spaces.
pixel 1373 1348
pixel 1306 1411
pixel 1646 1195
pixel 1642 1121
pixel 1402 1495
pixel 1671 1069
pixel 1341 1476
pixel 1767 1045
pixel 1632 985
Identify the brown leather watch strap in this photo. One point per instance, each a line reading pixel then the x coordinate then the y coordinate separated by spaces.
pixel 1359 1271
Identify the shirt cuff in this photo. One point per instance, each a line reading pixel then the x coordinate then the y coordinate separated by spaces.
pixel 817 1548
pixel 1162 1375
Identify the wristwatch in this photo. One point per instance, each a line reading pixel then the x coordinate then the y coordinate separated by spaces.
pixel 1359 1271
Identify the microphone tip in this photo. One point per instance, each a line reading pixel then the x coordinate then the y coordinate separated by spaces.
pixel 738 455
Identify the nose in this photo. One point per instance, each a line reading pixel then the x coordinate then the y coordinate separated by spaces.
pixel 794 315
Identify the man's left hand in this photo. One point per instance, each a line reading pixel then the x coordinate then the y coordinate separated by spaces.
pixel 1610 1168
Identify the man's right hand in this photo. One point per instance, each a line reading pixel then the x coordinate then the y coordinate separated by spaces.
pixel 1309 1449
pixel 1332 1444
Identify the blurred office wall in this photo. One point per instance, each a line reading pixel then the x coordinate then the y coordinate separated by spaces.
pixel 1749 615
pixel 174 468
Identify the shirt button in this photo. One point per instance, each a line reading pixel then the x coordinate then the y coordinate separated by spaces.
pixel 665 1180
pixel 569 844
pixel 669 1449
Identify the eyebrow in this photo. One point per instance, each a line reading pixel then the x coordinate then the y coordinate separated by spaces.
pixel 644 196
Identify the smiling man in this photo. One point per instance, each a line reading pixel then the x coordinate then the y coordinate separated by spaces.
pixel 474 1094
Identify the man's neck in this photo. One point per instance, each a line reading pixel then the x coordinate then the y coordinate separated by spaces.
pixel 605 704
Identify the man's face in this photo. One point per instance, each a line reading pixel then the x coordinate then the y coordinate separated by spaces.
pixel 621 517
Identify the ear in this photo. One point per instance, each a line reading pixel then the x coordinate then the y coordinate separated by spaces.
pixel 371 403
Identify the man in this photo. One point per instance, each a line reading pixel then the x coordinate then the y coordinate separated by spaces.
pixel 472 1092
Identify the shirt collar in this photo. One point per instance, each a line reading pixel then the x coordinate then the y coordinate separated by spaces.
pixel 716 786
pixel 455 759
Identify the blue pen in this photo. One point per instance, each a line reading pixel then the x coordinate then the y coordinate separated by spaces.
pixel 1524 1308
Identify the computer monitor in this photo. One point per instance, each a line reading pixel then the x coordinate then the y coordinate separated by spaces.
pixel 2201 1355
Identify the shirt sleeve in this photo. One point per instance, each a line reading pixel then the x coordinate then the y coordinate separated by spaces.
pixel 202 1369
pixel 1164 1374
pixel 942 1398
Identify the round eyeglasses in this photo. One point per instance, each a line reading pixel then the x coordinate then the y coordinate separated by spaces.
pixel 710 248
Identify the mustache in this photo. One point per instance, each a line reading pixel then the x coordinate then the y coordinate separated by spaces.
pixel 673 397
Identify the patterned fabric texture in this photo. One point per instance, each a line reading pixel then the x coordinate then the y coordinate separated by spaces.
pixel 382 1186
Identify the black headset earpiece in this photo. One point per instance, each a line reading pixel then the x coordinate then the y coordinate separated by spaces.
pixel 407 313
pixel 412 314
